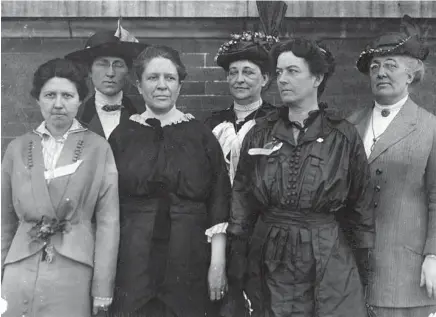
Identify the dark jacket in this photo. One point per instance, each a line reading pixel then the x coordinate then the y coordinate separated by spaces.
pixel 290 205
pixel 87 114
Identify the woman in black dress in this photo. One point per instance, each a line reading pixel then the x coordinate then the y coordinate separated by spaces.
pixel 302 177
pixel 173 186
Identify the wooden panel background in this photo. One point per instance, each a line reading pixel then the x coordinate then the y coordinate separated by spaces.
pixel 198 9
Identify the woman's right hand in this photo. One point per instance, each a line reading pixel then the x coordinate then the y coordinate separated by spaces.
pixel 217 281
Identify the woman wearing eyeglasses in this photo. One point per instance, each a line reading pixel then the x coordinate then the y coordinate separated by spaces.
pixel 400 142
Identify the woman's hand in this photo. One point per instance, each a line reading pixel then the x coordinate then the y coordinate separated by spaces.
pixel 428 275
pixel 100 303
pixel 217 281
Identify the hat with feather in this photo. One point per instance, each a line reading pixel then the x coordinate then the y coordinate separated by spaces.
pixel 254 46
pixel 109 43
pixel 408 41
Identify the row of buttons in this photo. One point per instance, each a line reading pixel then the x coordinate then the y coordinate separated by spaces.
pixel 377 188
pixel 291 196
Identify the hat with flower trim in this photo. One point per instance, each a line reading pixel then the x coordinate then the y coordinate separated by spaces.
pixel 406 42
pixel 252 46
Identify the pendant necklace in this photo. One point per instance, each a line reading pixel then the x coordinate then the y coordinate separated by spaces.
pixel 374 137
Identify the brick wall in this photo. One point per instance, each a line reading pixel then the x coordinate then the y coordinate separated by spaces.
pixel 205 88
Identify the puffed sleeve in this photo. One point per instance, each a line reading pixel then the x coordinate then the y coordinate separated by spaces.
pixel 107 230
pixel 359 217
pixel 218 203
pixel 9 219
pixel 430 178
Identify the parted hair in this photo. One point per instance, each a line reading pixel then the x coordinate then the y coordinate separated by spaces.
pixel 62 68
pixel 153 51
pixel 317 56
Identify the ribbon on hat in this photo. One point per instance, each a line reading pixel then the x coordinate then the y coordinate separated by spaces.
pixel 123 34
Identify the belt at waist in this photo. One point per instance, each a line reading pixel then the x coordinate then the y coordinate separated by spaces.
pixel 300 218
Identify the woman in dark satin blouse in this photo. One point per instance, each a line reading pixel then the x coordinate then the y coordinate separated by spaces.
pixel 301 169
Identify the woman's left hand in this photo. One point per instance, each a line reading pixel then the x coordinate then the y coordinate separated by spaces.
pixel 217 281
pixel 428 276
pixel 100 303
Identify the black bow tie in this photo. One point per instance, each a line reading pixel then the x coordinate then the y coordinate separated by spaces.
pixel 110 108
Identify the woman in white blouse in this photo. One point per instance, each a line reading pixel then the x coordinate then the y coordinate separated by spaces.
pixel 247 65
pixel 400 142
pixel 59 207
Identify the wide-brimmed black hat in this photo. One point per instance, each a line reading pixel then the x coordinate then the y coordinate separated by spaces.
pixel 406 42
pixel 252 46
pixel 105 43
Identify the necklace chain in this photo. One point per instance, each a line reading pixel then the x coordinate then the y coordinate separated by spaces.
pixel 374 137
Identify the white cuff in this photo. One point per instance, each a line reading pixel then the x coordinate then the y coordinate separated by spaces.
pixel 219 228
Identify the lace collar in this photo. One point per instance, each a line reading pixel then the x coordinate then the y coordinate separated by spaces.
pixel 172 117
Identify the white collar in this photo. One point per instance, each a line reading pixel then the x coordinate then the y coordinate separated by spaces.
pixel 42 130
pixel 395 107
pixel 102 99
pixel 173 116
pixel 247 108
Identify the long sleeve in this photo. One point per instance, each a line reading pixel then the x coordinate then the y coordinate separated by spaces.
pixel 359 217
pixel 220 192
pixel 9 219
pixel 107 231
pixel 430 177
pixel 244 209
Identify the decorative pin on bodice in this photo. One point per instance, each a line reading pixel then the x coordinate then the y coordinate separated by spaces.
pixel 385 113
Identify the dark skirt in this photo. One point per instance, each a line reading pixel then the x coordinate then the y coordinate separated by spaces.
pixel 154 308
pixel 424 311
pixel 296 270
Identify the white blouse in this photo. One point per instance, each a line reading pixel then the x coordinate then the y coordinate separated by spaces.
pixel 52 147
pixel 378 123
pixel 109 119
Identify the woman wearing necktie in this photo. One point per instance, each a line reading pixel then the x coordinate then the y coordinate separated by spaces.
pixel 109 56
pixel 400 142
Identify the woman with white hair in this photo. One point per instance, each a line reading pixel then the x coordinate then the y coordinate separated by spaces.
pixel 400 142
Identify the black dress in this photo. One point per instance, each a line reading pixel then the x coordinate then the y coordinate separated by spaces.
pixel 291 198
pixel 173 185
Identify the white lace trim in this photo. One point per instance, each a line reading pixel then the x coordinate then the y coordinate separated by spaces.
pixel 183 118
pixel 219 228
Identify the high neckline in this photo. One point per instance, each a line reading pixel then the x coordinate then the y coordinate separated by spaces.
pixel 242 111
pixel 174 116
pixel 101 99
pixel 42 130
pixel 392 108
